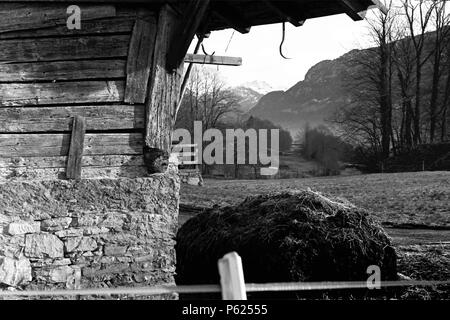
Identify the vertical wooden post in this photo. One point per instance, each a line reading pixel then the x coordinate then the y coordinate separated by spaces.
pixel 232 277
pixel 162 96
pixel 75 157
pixel 139 61
pixel 173 36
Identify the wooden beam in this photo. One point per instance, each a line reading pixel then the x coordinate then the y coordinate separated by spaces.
pixel 66 48
pixel 44 144
pixel 285 13
pixel 216 60
pixel 75 156
pixel 62 70
pixel 41 93
pixel 139 61
pixel 231 16
pixel 34 16
pixel 380 5
pixel 353 9
pixel 193 14
pixel 102 26
pixel 163 95
pixel 59 118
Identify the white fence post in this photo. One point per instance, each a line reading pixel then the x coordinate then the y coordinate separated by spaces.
pixel 232 277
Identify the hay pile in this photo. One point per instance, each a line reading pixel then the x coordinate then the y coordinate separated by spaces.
pixel 289 236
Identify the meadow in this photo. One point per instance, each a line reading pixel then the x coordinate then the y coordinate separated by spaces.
pixel 417 198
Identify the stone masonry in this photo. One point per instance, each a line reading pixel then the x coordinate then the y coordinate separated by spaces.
pixel 90 233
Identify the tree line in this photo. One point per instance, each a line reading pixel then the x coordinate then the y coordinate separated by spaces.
pixel 217 106
pixel 400 88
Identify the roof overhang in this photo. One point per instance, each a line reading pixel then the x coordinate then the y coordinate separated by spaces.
pixel 243 14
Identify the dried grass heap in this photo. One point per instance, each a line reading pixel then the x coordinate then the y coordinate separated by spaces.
pixel 289 236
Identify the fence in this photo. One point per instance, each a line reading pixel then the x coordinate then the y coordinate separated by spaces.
pixel 187 154
pixel 232 285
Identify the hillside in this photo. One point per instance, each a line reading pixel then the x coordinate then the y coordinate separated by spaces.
pixel 309 101
pixel 324 90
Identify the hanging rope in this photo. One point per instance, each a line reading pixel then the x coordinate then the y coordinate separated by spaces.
pixel 283 37
pixel 229 41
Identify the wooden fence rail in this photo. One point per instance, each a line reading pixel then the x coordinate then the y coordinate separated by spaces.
pixel 232 285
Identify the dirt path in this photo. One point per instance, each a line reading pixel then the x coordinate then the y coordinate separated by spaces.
pixel 406 237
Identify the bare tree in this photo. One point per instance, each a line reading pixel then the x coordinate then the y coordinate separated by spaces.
pixel 371 87
pixel 403 59
pixel 418 15
pixel 440 21
pixel 444 112
pixel 207 99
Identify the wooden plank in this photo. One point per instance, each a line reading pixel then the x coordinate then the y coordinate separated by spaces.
pixel 217 60
pixel 76 148
pixel 100 26
pixel 62 70
pixel 163 95
pixel 65 48
pixel 59 119
pixel 187 27
pixel 21 94
pixel 232 277
pixel 353 9
pixel 140 60
pixel 19 16
pixel 38 145
pixel 98 161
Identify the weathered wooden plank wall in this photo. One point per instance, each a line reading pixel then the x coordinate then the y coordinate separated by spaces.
pixel 50 74
pixel 38 145
pixel 59 119
pixel 25 94
pixel 62 70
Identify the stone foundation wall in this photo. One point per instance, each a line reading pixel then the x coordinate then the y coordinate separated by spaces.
pixel 91 233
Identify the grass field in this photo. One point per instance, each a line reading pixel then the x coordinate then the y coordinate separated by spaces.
pixel 415 198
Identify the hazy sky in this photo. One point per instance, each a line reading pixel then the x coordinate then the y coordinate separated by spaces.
pixel 318 39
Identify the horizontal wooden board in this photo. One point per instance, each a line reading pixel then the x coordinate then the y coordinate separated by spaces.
pixel 60 161
pixel 21 94
pixel 64 48
pixel 122 23
pixel 217 60
pixel 48 119
pixel 91 27
pixel 19 16
pixel 24 174
pixel 39 145
pixel 62 70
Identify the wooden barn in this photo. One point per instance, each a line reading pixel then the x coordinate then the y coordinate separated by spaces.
pixel 88 98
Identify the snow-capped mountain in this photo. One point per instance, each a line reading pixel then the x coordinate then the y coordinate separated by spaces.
pixel 261 87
